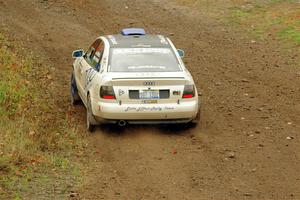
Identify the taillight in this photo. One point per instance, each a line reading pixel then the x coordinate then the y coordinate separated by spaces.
pixel 188 92
pixel 107 92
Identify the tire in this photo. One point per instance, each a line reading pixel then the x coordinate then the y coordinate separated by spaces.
pixel 74 91
pixel 90 120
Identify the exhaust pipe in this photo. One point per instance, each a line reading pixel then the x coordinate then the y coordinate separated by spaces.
pixel 122 123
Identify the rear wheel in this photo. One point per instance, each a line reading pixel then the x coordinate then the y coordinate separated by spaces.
pixel 90 120
pixel 74 91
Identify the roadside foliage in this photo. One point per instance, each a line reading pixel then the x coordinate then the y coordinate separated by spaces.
pixel 35 149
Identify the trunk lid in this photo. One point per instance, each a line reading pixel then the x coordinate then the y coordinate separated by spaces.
pixel 148 88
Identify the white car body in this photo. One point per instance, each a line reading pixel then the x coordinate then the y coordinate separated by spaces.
pixel 173 108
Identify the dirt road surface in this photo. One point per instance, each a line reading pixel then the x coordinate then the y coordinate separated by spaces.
pixel 247 146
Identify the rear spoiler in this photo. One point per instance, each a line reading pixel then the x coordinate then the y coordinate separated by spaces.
pixel 142 78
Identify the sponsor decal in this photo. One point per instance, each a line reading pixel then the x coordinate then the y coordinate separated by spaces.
pixel 169 108
pixel 90 74
pixel 162 39
pixel 121 92
pixel 134 51
pixel 147 67
pixel 154 108
pixel 176 92
pixel 112 39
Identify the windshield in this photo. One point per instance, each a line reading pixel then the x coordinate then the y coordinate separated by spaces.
pixel 143 60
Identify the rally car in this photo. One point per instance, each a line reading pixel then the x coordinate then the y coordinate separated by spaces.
pixel 134 78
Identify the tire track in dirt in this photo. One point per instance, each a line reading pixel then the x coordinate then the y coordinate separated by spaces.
pixel 238 152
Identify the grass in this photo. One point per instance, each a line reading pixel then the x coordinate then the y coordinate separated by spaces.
pixel 264 18
pixel 36 150
pixel 277 20
pixel 259 16
pixel 290 33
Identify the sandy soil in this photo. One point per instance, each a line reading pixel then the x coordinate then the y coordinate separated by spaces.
pixel 251 104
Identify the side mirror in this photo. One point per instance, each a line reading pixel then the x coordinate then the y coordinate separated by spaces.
pixel 181 53
pixel 78 53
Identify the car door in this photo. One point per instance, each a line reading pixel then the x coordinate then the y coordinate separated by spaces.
pixel 90 65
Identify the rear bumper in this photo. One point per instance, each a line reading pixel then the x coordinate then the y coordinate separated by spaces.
pixel 146 113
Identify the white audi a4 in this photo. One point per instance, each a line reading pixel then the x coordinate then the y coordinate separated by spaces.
pixel 134 78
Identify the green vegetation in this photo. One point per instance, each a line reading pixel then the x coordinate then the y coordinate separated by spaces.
pixel 262 17
pixel 290 33
pixel 276 20
pixel 36 149
pixel 268 18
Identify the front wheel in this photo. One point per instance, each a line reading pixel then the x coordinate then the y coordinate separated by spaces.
pixel 74 91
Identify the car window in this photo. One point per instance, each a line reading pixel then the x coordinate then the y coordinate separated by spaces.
pixel 94 54
pixel 90 52
pixel 143 60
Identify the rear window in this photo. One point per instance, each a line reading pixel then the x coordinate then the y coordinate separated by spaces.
pixel 143 60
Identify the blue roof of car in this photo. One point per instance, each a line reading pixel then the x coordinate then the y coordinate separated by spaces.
pixel 133 31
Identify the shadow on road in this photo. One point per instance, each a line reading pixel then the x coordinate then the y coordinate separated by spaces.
pixel 115 130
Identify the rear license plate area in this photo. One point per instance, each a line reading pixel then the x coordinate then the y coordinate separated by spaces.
pixel 149 94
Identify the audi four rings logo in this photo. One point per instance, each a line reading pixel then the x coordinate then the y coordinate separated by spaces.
pixel 149 83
